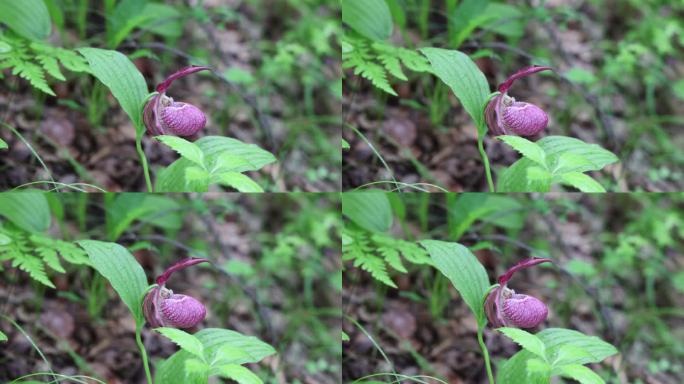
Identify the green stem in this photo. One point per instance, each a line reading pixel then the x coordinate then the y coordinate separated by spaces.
pixel 143 160
pixel 485 160
pixel 485 352
pixel 143 352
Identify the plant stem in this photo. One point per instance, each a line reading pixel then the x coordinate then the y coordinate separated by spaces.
pixel 143 352
pixel 485 352
pixel 485 160
pixel 143 160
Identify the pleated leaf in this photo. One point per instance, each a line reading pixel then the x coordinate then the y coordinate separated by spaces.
pixel 122 270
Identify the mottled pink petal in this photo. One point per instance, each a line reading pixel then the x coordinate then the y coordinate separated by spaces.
pixel 181 311
pixel 524 119
pixel 523 311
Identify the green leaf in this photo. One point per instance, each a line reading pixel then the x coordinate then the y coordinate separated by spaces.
pixel 582 182
pixel 27 210
pixel 162 19
pixel 127 15
pixel 240 182
pixel 28 18
pixel 345 144
pixel 251 158
pixel 4 239
pixel 228 354
pixel 186 341
pixel 678 89
pixel 465 19
pixel 370 18
pixel 464 78
pixel 463 269
pixel 172 370
pixel 580 373
pixel 122 78
pixel 570 162
pixel 125 208
pixel 526 340
pixel 513 371
pixel 596 156
pixel 569 353
pixel 238 373
pixel 466 208
pixel 122 270
pixel 3 337
pixel 186 149
pixel 369 210
pixel 514 178
pixel 538 368
pixel 196 372
pixel 527 148
pixel 678 281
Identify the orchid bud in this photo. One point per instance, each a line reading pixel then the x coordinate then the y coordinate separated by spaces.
pixel 163 308
pixel 164 116
pixel 505 116
pixel 505 308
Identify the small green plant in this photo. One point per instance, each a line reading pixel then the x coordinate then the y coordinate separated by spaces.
pixel 212 160
pixel 552 352
pixel 191 174
pixel 211 352
pixel 553 159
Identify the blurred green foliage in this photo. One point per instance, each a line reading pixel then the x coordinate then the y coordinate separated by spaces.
pixel 619 257
pixel 278 257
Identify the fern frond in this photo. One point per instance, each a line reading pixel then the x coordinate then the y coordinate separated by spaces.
pixel 31 253
pixel 375 61
pixel 358 250
pixel 374 252
pixel 33 266
pixel 33 61
pixel 33 73
pixel 51 66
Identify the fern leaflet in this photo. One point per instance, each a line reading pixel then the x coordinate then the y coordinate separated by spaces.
pixel 32 252
pixel 375 252
pixel 375 61
pixel 31 61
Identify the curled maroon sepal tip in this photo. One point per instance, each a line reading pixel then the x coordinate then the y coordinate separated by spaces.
pixel 161 280
pixel 163 86
pixel 503 279
pixel 506 308
pixel 504 115
pixel 503 87
pixel 164 116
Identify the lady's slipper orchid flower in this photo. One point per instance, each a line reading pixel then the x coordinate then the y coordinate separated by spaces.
pixel 505 308
pixel 163 116
pixel 163 308
pixel 505 116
